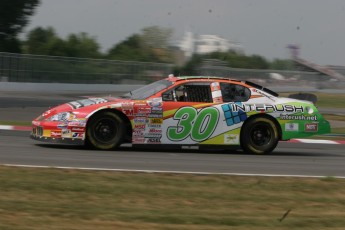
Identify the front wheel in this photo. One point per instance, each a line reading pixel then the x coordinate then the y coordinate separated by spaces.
pixel 259 136
pixel 105 130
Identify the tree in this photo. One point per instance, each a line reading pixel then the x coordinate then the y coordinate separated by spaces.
pixel 156 37
pixel 46 42
pixel 152 45
pixel 82 45
pixel 130 49
pixel 14 17
pixel 42 41
pixel 190 68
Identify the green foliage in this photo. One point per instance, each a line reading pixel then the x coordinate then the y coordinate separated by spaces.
pixel 189 69
pixel 81 45
pixel 130 49
pixel 149 46
pixel 45 42
pixel 14 17
pixel 233 60
pixel 236 60
pixel 281 64
pixel 156 37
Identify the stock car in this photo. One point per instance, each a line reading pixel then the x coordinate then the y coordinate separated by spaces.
pixel 183 111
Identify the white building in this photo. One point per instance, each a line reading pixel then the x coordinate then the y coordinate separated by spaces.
pixel 203 44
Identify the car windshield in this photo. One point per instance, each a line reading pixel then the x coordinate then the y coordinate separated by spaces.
pixel 148 90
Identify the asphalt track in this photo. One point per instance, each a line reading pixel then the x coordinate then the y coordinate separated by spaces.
pixel 288 159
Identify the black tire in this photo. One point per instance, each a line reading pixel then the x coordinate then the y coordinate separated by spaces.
pixel 105 130
pixel 259 135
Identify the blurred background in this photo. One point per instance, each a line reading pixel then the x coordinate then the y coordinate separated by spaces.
pixel 285 44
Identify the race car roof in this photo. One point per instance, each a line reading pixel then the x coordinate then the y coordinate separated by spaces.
pixel 180 78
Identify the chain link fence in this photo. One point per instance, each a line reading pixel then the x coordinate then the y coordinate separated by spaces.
pixel 49 69
pixel 268 77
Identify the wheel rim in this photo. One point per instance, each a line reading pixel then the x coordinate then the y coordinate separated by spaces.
pixel 105 130
pixel 261 134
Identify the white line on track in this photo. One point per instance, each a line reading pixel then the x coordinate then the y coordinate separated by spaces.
pixel 315 141
pixel 173 172
pixel 6 127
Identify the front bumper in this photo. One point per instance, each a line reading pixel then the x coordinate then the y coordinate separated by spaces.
pixel 58 132
pixel 70 141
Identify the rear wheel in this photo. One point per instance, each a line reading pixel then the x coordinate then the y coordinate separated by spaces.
pixel 105 130
pixel 259 136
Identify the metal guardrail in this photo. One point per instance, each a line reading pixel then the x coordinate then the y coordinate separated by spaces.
pixel 49 69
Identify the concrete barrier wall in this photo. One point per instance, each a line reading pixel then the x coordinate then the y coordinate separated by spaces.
pixel 62 87
pixel 58 87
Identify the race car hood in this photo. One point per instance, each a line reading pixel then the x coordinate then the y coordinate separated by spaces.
pixel 81 107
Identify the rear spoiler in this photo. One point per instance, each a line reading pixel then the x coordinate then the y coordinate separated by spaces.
pixel 304 96
pixel 262 88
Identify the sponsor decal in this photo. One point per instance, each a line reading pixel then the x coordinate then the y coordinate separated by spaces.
pixel 128 112
pixel 154 115
pixel 311 127
pixel 138 140
pixel 139 126
pixel 138 133
pixel 231 138
pixel 80 123
pixel 62 125
pixel 154 130
pixel 216 92
pixel 155 120
pixel 66 133
pixel 156 110
pixel 153 140
pixel 143 111
pixel 78 129
pixel 154 125
pixel 78 135
pixel 233 117
pixel 291 127
pixel 155 102
pixel 55 134
pixel 140 120
pixel 298 117
pixel 140 103
pixel 152 135
pixel 127 105
pixel 235 107
pixel 86 102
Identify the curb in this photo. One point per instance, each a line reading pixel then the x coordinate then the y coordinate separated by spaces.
pixel 316 141
pixel 305 141
pixel 15 128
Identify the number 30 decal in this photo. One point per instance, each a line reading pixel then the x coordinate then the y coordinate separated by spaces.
pixel 198 125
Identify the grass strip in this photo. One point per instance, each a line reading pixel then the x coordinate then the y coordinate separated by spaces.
pixel 16 123
pixel 325 100
pixel 73 199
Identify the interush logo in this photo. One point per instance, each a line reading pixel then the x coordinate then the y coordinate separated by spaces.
pixel 265 108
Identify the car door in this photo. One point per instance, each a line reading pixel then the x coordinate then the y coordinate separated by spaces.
pixel 188 116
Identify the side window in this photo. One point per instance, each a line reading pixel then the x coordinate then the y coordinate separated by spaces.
pixel 190 92
pixel 198 93
pixel 234 92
